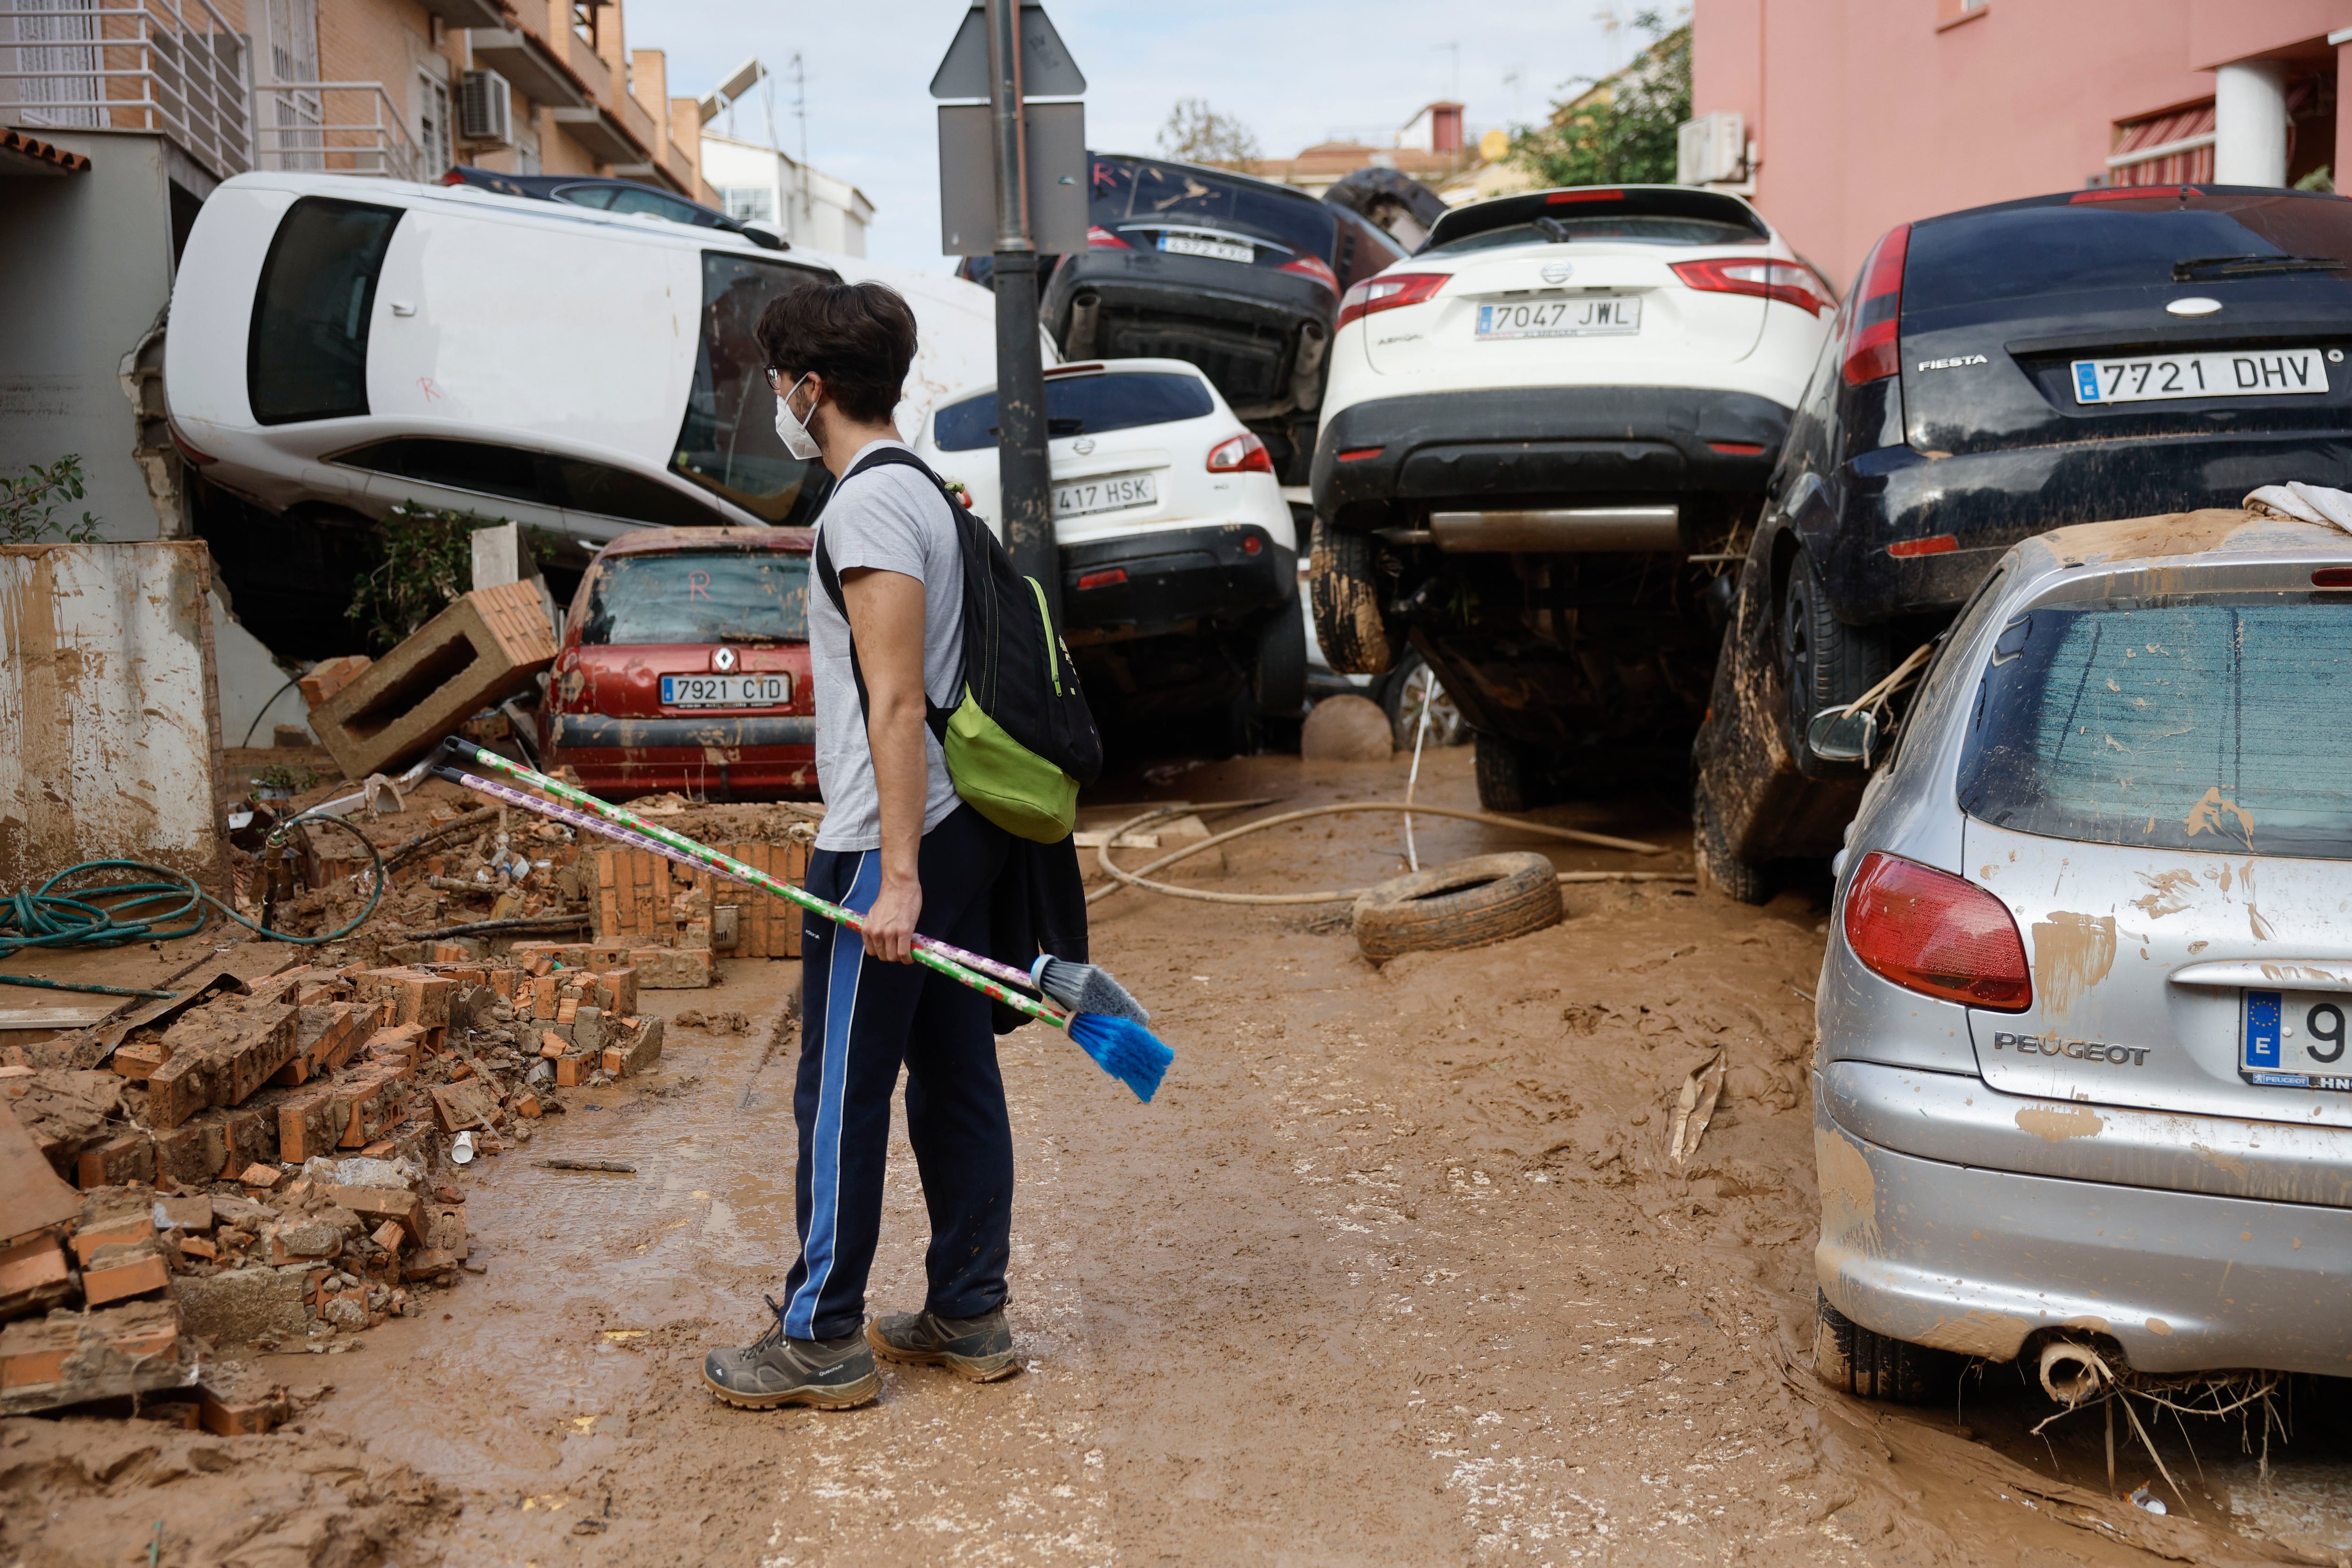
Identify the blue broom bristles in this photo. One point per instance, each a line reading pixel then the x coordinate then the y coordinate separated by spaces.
pixel 1125 1049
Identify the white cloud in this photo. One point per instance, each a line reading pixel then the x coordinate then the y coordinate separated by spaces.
pixel 1294 73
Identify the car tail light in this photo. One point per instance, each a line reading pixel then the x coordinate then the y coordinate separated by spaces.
pixel 1388 291
pixel 451 178
pixel 1245 454
pixel 1314 266
pixel 1110 579
pixel 1871 352
pixel 187 450
pixel 2332 577
pixel 1930 931
pixel 1597 194
pixel 1080 368
pixel 1790 282
pixel 1934 544
pixel 1100 238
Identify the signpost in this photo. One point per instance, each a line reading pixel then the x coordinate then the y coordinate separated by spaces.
pixel 1005 51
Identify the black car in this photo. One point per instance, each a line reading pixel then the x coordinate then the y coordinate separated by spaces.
pixel 611 195
pixel 1993 374
pixel 1226 271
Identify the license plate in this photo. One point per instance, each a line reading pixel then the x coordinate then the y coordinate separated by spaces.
pixel 2294 1040
pixel 1215 249
pixel 726 691
pixel 2155 378
pixel 1113 492
pixel 1602 317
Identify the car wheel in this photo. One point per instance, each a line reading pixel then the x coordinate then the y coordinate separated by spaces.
pixel 1278 677
pixel 1827 663
pixel 1346 600
pixel 1855 1359
pixel 1719 868
pixel 1502 771
pixel 1407 684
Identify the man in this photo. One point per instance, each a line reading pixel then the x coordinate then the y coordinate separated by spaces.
pixel 899 846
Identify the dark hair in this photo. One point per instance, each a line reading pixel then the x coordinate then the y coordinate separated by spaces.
pixel 860 336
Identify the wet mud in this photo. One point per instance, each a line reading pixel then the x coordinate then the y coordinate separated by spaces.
pixel 1398 1268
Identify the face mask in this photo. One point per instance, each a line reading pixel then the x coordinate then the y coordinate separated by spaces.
pixel 795 432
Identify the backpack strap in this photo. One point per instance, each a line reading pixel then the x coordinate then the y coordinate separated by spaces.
pixel 829 578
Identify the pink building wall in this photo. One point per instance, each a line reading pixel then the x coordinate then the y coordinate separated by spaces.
pixel 1864 113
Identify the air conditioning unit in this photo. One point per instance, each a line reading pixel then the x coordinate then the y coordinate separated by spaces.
pixel 485 109
pixel 1711 150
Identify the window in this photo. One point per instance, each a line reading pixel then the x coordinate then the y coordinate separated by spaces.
pixel 2210 723
pixel 1130 193
pixel 699 597
pixel 1082 405
pixel 728 442
pixel 306 357
pixel 433 125
pixel 754 203
pixel 615 492
pixel 640 199
pixel 540 478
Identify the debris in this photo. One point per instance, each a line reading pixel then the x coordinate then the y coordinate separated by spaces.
pixel 2142 1498
pixel 488 644
pixel 1695 1108
pixel 620 1167
pixel 70 1358
pixel 461 1149
pixel 1346 730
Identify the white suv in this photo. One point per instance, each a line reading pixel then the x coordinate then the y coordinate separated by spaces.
pixel 1545 436
pixel 1179 557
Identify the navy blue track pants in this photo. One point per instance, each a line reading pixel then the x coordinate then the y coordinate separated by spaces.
pixel 861 1020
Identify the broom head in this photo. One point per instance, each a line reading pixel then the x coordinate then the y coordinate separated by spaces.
pixel 1125 1049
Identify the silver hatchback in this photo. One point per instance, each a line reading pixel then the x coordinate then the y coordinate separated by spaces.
pixel 2083 1071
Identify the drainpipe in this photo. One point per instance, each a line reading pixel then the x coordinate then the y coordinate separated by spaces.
pixel 2250 123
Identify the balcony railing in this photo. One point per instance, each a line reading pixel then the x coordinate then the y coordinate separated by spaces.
pixel 170 66
pixel 334 128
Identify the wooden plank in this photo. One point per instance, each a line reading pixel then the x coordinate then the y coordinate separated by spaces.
pixel 57 1015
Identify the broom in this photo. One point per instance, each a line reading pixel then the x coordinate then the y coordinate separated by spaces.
pixel 1095 1010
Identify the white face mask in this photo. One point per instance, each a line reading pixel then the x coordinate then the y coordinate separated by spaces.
pixel 795 432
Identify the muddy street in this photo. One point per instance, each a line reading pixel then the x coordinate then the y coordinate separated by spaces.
pixel 1398 1268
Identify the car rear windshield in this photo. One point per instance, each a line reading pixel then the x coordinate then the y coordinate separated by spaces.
pixel 1081 405
pixel 307 356
pixel 728 442
pixel 1644 215
pixel 2159 240
pixel 1638 229
pixel 2212 724
pixel 1131 193
pixel 698 596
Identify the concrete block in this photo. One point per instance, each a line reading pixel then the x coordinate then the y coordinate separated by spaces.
pixel 674 968
pixel 488 644
pixel 244 1304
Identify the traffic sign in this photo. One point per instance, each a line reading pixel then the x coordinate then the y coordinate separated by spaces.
pixel 1046 69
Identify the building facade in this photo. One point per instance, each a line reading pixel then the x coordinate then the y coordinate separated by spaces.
pixel 1857 115
pixel 807 205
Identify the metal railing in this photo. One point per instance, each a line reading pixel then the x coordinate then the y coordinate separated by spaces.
pixel 335 128
pixel 165 66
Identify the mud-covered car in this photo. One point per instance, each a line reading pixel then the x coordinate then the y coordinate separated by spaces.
pixel 1997 372
pixel 1225 271
pixel 2082 1088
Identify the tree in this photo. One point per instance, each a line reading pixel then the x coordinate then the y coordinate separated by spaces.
pixel 1621 131
pixel 1198 134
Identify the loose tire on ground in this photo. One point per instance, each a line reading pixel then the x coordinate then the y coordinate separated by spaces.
pixel 1346 595
pixel 1857 1361
pixel 1470 903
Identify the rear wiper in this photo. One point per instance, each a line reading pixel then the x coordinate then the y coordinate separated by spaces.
pixel 2252 266
pixel 1551 228
pixel 1065 427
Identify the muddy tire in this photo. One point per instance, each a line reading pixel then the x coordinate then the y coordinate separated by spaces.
pixel 1278 673
pixel 1346 594
pixel 1469 903
pixel 1857 1361
pixel 1504 779
pixel 1743 882
pixel 1825 662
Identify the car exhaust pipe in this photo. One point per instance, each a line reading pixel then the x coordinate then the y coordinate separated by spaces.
pixel 1559 528
pixel 1306 369
pixel 2073 1372
pixel 1086 322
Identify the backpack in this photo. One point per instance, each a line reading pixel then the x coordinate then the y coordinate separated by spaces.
pixel 1021 740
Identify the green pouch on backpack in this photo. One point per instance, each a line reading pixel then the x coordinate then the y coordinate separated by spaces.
pixel 1004 781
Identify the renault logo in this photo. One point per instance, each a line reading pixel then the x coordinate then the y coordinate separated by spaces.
pixel 1558 272
pixel 1083 445
pixel 723 660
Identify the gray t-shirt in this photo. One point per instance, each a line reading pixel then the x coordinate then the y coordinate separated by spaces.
pixel 892 519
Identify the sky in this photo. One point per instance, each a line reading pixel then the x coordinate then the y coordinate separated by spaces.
pixel 1293 73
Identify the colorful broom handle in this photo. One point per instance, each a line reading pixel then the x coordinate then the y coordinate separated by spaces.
pixel 926 950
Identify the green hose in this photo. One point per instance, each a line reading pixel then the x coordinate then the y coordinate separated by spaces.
pixel 138 911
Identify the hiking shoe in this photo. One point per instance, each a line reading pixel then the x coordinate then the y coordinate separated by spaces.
pixel 980 1349
pixel 774 1371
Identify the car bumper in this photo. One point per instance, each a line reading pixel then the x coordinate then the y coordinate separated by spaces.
pixel 720 759
pixel 1147 584
pixel 1537 444
pixel 1962 1258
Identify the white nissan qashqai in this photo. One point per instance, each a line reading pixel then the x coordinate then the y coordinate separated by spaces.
pixel 1545 436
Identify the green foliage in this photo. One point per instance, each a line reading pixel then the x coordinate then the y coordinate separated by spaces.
pixel 1626 137
pixel 1198 134
pixel 29 504
pixel 286 778
pixel 428 560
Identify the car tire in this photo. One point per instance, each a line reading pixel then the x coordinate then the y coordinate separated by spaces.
pixel 1502 771
pixel 1826 662
pixel 1346 595
pixel 1278 676
pixel 1470 903
pixel 1742 881
pixel 1861 1361
pixel 1401 696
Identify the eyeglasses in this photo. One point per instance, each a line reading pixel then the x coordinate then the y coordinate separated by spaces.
pixel 777 383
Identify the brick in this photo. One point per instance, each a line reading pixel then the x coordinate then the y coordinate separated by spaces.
pixel 294 1241
pixel 130 1157
pixel 605 956
pixel 308 1124
pixel 502 981
pixel 588 1029
pixel 285 985
pixel 327 1035
pixel 642 1048
pixel 559 954
pixel 389 1235
pixel 394 1205
pixel 241 1305
pixel 119 1276
pixel 571 1072
pixel 250 1132
pixel 417 995
pixel 262 1177
pixel 138 1059
pixel 458 1106
pixel 329 676
pixel 218 1055
pixel 375 1100
pixel 552 1045
pixel 674 968
pixel 617 989
pixel 72 1358
pixel 526 1105
pixel 34 1274
pixel 542 996
pixel 194 1152
pixel 187 1214
pixel 610 1058
pixel 425 1264
pixel 198 1246
pixel 488 644
pixel 404 1043
pixel 567 1009
pixel 248 1417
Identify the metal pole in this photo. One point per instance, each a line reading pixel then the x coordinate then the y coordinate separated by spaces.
pixel 1023 474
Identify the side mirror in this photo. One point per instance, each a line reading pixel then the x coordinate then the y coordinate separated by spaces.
pixel 1840 737
pixel 759 231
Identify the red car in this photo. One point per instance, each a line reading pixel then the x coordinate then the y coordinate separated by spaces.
pixel 685 668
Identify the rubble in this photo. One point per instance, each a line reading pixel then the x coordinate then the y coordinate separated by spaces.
pixel 487 644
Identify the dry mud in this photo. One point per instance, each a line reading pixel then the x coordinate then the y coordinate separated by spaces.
pixel 1396 1269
